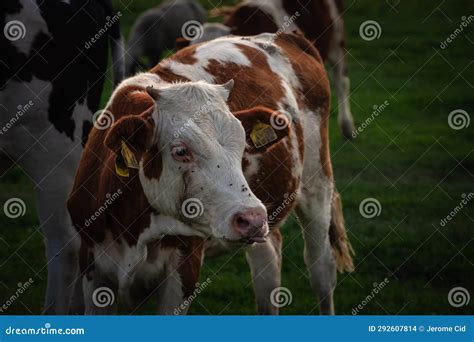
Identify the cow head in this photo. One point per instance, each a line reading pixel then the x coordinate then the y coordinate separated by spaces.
pixel 189 147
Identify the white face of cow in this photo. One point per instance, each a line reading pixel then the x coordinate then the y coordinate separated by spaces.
pixel 201 144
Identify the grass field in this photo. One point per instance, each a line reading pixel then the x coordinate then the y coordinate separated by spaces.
pixel 408 158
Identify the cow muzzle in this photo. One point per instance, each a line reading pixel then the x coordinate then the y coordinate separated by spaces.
pixel 251 224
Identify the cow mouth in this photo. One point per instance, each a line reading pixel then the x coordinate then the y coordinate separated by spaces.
pixel 248 240
pixel 256 239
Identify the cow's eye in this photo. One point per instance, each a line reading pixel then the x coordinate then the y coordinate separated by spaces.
pixel 181 153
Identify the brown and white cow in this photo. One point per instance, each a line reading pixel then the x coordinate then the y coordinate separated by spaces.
pixel 321 22
pixel 210 143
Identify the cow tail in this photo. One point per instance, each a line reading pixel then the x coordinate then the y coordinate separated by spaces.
pixel 338 237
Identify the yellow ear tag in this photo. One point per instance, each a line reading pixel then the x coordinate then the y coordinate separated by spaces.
pixel 128 156
pixel 262 134
pixel 120 168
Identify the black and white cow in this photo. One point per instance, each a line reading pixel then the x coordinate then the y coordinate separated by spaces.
pixel 53 63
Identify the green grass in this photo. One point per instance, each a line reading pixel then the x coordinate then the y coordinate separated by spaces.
pixel 408 158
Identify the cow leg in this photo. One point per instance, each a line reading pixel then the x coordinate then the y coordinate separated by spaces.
pixel 53 179
pixel 179 287
pixel 62 251
pixel 171 295
pixel 100 295
pixel 338 62
pixel 133 64
pixel 314 208
pixel 265 265
pixel 154 58
pixel 77 301
pixel 133 52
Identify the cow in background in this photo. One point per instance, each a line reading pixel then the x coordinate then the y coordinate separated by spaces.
pixel 53 63
pixel 157 29
pixel 322 23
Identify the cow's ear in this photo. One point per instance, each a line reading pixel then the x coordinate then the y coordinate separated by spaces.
pixel 131 134
pixel 263 127
pixel 181 43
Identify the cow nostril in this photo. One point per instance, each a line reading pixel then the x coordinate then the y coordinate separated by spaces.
pixel 250 222
pixel 242 223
